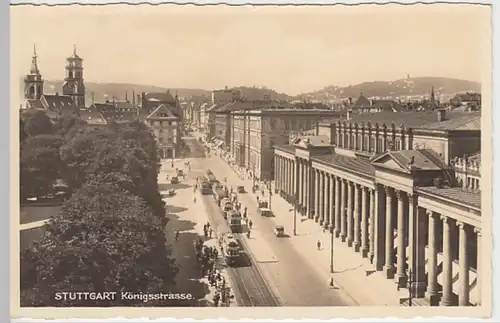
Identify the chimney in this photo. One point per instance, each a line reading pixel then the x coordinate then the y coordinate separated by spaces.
pixel 441 115
pixel 317 128
pixel 57 93
pixel 350 101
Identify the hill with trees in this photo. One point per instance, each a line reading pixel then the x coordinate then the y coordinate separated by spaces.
pixel 398 88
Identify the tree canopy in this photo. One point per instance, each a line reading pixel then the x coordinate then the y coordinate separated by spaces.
pixel 104 239
pixel 109 236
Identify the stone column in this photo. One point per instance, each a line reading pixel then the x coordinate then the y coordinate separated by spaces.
pixel 463 274
pixel 331 203
pixel 317 200
pixel 380 220
pixel 357 215
pixel 343 221
pixel 338 199
pixel 321 196
pixel 371 226
pixel 365 246
pixel 350 204
pixel 417 233
pixel 401 277
pixel 326 190
pixel 389 235
pixel 299 181
pixel 479 264
pixel 287 177
pixel 432 285
pixel 447 292
pixel 308 188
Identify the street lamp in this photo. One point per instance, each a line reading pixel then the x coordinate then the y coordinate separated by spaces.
pixel 270 194
pixel 332 240
pixel 410 292
pixel 295 214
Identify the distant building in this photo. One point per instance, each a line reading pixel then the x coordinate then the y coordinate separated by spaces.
pixel 165 126
pixel 55 105
pixel 471 99
pixel 255 127
pixel 152 100
pixel 225 96
pixel 33 82
pixel 363 104
pixel 74 86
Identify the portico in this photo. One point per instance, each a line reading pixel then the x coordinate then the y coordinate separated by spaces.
pixel 392 211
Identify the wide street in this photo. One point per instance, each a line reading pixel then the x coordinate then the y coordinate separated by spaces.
pixel 291 276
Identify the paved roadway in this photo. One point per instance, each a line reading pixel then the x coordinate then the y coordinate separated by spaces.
pixel 248 283
pixel 294 281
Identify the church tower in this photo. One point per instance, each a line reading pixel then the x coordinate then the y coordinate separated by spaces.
pixel 73 83
pixel 33 82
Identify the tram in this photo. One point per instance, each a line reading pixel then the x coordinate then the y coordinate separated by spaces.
pixel 231 250
pixel 234 220
pixel 219 195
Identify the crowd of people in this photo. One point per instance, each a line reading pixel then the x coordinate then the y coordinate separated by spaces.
pixel 207 259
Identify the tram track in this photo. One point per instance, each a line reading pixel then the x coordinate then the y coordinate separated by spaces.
pixel 250 286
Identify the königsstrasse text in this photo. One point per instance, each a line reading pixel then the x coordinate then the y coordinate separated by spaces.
pixel 144 297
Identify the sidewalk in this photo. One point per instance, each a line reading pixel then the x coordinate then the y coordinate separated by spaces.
pixel 212 242
pixel 352 273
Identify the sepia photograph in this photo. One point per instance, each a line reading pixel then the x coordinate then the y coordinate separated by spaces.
pixel 321 161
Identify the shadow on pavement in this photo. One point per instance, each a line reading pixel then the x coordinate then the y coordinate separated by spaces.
pixel 187 280
pixel 171 209
pixel 166 187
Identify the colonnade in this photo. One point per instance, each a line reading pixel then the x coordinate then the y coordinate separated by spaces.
pixel 387 226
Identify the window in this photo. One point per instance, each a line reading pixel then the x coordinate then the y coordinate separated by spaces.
pixel 160 139
pixel 170 123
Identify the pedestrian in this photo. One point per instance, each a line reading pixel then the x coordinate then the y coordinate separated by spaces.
pixel 331 283
pixel 194 200
pixel 210 233
pixel 177 235
pixel 318 244
pixel 250 224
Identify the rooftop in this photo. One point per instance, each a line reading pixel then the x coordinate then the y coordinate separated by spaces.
pixel 454 120
pixel 456 194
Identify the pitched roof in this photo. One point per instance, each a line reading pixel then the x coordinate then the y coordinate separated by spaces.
pixel 312 141
pixel 457 194
pixel 92 117
pixel 125 106
pixel 409 119
pixel 466 121
pixel 159 97
pixel 163 111
pixel 102 107
pixel 358 164
pixel 58 102
pixel 420 159
pixel 34 104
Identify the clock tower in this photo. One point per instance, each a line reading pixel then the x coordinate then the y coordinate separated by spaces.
pixel 33 82
pixel 73 83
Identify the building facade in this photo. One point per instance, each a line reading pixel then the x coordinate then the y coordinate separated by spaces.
pixel 165 126
pixel 255 129
pixel 392 191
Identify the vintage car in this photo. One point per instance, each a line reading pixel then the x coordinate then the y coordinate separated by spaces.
pixel 264 211
pixel 174 180
pixel 180 172
pixel 279 230
pixel 240 189
pixel 263 204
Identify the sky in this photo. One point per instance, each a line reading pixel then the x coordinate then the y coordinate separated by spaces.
pixel 289 49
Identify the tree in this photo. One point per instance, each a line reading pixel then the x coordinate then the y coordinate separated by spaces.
pixel 36 123
pixel 68 125
pixel 40 164
pixel 104 239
